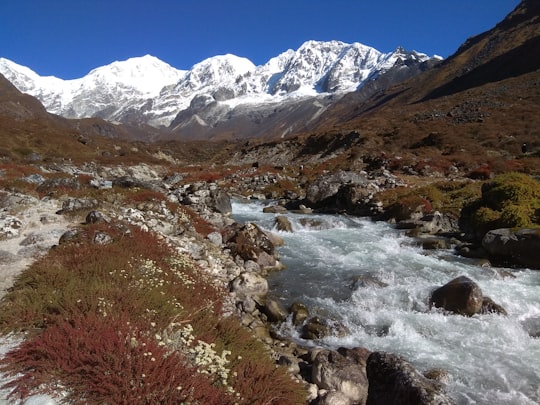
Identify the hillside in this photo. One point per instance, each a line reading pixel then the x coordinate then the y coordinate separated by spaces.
pixel 479 105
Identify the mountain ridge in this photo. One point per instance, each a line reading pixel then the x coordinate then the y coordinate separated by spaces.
pixel 122 92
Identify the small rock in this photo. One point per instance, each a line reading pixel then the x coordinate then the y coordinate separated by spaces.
pixel 283 224
pixel 275 209
pixel 491 307
pixel 299 313
pixel 274 311
pixel 95 217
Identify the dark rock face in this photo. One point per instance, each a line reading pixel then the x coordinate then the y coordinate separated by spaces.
pixel 461 296
pixel 519 247
pixel 392 380
pixel 325 188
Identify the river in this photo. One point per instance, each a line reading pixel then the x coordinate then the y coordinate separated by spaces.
pixel 491 359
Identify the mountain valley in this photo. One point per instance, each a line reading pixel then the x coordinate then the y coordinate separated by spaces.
pixel 145 171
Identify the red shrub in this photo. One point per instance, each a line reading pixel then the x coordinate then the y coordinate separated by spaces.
pixel 104 360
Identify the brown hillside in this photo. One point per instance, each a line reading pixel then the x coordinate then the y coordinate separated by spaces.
pixel 478 107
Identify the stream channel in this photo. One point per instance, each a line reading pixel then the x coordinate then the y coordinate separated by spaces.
pixel 491 359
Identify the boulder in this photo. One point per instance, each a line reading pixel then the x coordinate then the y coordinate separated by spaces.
pixel 342 371
pixel 283 224
pixel 461 295
pixel 220 201
pixel 299 313
pixel 69 236
pixel 519 247
pixel 249 284
pixel 323 190
pixel 251 243
pixel 392 380
pixel 274 311
pixel 438 223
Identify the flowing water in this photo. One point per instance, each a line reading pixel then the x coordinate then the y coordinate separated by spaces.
pixel 491 359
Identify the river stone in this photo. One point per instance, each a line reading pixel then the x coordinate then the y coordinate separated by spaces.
pixel 520 247
pixel 249 284
pixel 343 372
pixel 275 209
pixel 274 311
pixel 251 241
pixel 366 281
pixel 461 295
pixel 283 224
pixel 299 313
pixel 392 380
pixel 435 243
pixel 317 328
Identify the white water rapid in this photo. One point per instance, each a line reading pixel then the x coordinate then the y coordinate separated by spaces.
pixel 491 359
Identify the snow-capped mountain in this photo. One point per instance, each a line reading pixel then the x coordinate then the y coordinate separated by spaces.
pixel 147 90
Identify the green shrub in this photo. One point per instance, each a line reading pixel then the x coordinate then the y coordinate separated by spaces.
pixel 510 200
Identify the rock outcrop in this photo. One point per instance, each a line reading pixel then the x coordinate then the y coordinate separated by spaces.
pixel 521 247
pixel 392 380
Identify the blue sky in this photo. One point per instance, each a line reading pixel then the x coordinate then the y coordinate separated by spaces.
pixel 68 38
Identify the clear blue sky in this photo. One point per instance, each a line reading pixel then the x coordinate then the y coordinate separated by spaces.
pixel 68 38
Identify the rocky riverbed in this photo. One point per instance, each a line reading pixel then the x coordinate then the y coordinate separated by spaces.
pixel 240 257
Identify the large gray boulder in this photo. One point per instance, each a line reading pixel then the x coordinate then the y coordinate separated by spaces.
pixel 392 380
pixel 343 371
pixel 520 247
pixel 323 190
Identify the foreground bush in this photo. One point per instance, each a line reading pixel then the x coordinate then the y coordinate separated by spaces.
pixel 131 321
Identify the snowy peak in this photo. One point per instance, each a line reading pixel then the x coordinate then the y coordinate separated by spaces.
pixel 147 90
pixel 217 71
pixel 146 75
